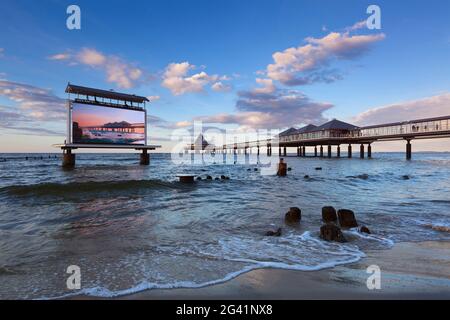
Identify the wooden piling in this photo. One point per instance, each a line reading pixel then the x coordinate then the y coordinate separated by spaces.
pixel 408 150
pixel 144 158
pixel 282 168
pixel 68 159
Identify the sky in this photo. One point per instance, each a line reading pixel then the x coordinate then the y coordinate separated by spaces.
pixel 239 65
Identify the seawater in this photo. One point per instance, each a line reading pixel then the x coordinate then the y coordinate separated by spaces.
pixel 131 228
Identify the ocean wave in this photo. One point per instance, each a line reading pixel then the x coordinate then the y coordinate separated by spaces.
pixel 303 252
pixel 443 226
pixel 84 187
pixel 102 292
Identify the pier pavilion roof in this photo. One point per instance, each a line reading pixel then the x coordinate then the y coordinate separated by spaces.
pixel 288 132
pixel 336 125
pixel 74 89
pixel 200 143
pixel 306 129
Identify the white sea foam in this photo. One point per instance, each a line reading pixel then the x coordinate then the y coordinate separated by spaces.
pixel 293 252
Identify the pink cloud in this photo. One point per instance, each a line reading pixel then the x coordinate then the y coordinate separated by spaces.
pixel 434 106
pixel 307 63
pixel 122 73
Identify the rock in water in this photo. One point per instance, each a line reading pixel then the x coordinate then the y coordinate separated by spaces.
pixel 223 177
pixel 199 178
pixel 293 215
pixel 306 177
pixel 347 218
pixel 318 168
pixel 329 214
pixel 208 178
pixel 405 177
pixel 364 229
pixel 289 169
pixel 271 233
pixel 331 232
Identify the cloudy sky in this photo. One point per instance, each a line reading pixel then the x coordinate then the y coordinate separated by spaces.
pixel 240 65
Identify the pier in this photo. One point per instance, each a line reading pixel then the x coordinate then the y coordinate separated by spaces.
pixel 335 134
pixel 117 134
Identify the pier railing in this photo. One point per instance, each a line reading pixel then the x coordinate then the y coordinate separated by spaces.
pixel 407 130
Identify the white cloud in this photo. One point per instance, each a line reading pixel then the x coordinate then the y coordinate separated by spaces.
pixel 36 109
pixel 176 78
pixel 220 87
pixel 270 107
pixel 358 25
pixel 308 63
pixel 153 98
pixel 60 56
pixel 91 57
pixel 122 73
pixel 435 106
pixel 38 103
pixel 267 86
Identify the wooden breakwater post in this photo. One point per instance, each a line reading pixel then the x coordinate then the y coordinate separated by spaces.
pixel 186 178
pixel 282 168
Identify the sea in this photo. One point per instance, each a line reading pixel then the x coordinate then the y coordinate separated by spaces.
pixel 126 228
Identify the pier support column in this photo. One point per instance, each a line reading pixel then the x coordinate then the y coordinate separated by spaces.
pixel 279 151
pixel 304 151
pixel 145 158
pixel 408 150
pixel 68 159
pixel 349 151
pixel 298 151
pixel 268 150
pixel 315 151
pixel 361 151
pixel 369 151
pixel 321 151
pixel 257 150
pixel 338 151
pixel 284 151
pixel 329 151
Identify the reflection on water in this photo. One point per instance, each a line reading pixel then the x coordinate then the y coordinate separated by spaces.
pixel 131 228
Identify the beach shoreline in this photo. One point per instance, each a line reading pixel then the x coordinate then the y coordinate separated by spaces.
pixel 409 270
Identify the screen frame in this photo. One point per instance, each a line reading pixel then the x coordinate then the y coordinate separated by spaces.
pixel 70 105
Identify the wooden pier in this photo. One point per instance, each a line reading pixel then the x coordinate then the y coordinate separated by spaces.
pixel 335 133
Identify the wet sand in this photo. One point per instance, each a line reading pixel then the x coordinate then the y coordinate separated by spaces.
pixel 408 271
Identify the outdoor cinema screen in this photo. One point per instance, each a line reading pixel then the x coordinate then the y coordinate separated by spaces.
pixel 93 124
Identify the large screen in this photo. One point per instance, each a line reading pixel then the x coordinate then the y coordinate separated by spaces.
pixel 93 124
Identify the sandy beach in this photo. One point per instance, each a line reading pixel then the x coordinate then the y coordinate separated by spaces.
pixel 408 271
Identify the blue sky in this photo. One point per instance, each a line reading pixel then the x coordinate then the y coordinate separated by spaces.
pixel 131 45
